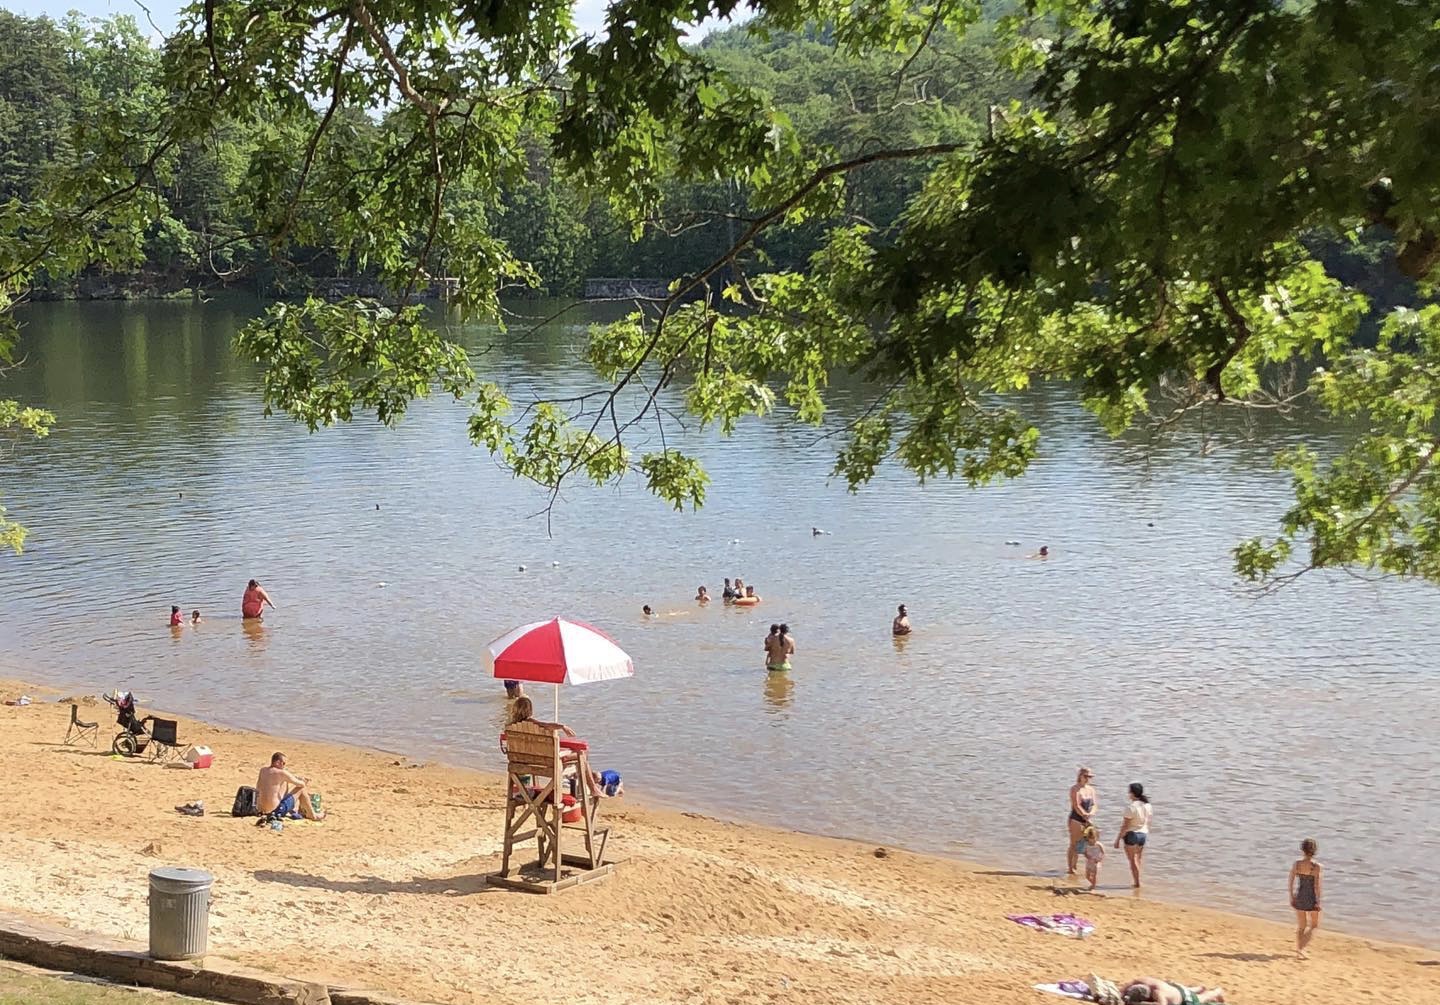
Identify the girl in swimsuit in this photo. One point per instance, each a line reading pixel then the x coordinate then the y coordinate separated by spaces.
pixel 1305 896
pixel 1082 807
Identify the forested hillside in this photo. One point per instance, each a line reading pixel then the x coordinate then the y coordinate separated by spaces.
pixel 61 83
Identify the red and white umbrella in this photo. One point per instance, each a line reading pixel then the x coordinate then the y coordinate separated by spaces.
pixel 557 652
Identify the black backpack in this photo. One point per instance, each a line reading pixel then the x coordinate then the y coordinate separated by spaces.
pixel 245 804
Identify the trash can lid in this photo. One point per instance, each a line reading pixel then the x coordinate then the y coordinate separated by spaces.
pixel 182 877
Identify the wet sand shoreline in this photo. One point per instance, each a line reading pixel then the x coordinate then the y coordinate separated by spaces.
pixel 390 893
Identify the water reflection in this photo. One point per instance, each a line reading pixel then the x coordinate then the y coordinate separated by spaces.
pixel 779 691
pixel 255 634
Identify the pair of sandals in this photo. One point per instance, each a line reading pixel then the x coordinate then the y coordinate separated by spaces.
pixel 191 809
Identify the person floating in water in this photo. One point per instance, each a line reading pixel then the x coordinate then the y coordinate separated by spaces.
pixel 175 617
pixel 647 611
pixel 1044 552
pixel 750 595
pixel 252 605
pixel 194 617
pixel 901 624
pixel 702 596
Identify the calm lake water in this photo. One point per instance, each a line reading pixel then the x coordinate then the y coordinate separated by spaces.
pixel 1254 722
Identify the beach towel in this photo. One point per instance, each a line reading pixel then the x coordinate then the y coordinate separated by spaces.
pixel 1069 925
pixel 1078 990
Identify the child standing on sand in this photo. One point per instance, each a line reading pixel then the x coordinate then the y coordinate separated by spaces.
pixel 1094 853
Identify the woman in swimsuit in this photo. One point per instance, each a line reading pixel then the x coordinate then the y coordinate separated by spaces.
pixel 1082 807
pixel 1305 896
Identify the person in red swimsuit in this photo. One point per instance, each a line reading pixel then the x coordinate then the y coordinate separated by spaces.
pixel 174 616
pixel 254 601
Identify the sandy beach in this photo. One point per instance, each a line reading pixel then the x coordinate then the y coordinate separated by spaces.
pixel 390 893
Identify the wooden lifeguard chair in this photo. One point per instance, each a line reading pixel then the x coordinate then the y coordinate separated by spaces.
pixel 535 784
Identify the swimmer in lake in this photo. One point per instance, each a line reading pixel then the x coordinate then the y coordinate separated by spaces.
pixel 1044 552
pixel 702 596
pixel 647 612
pixel 252 605
pixel 175 617
pixel 194 617
pixel 779 647
pixel 901 624
pixel 728 595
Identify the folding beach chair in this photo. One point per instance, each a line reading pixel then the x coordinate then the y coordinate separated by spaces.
pixel 79 730
pixel 164 743
pixel 535 776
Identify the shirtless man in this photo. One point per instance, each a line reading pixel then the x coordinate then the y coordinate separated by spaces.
pixel 280 792
pixel 901 624
pixel 252 605
pixel 1149 990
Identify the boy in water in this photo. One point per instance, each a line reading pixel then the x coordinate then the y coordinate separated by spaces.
pixel 194 617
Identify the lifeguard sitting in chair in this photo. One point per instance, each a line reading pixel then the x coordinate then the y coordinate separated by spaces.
pixel 541 755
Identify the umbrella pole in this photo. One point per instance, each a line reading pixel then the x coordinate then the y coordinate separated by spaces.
pixel 557 702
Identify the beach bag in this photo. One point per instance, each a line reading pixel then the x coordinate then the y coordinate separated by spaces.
pixel 245 804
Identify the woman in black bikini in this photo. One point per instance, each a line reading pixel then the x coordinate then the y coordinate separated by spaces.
pixel 1082 807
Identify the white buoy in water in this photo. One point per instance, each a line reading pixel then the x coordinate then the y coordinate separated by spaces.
pixel 381 584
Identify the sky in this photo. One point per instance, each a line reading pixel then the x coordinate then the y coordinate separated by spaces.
pixel 589 14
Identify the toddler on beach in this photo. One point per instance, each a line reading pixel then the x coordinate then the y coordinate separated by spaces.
pixel 1094 852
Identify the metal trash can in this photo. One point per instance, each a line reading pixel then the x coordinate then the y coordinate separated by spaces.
pixel 179 913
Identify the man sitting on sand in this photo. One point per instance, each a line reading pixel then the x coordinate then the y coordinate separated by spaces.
pixel 280 793
pixel 1149 990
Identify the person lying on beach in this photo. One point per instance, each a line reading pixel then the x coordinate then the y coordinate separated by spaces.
pixel 280 793
pixel 1149 990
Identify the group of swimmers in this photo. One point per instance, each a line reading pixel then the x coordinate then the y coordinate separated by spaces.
pixel 252 606
pixel 740 595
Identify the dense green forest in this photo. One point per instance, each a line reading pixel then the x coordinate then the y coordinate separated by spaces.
pixel 62 82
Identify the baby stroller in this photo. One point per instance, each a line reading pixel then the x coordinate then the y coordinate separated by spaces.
pixel 133 736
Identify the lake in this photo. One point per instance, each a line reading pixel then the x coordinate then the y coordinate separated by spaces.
pixel 394 555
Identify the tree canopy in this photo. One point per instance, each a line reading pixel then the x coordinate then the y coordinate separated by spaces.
pixel 1142 215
